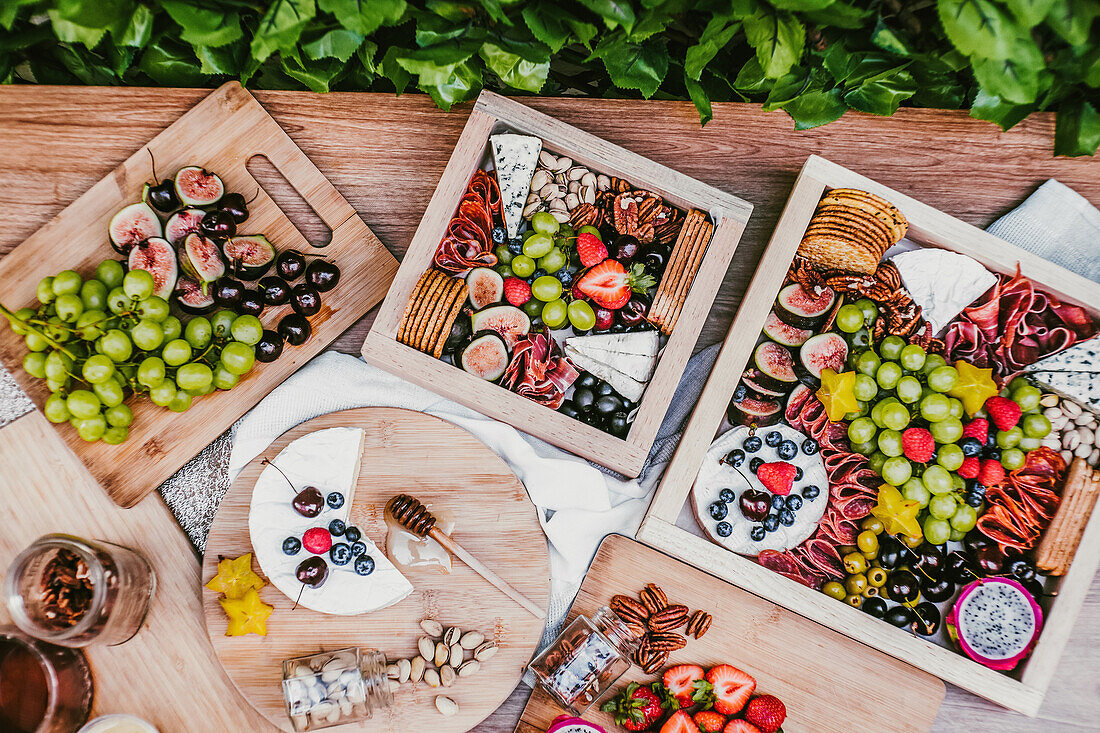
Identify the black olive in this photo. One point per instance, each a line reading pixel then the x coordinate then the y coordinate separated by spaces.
pixel 251 303
pixel 619 424
pixel 295 329
pixel 322 275
pixel 276 290
pixel 588 380
pixel 608 404
pixel 875 607
pixel 569 410
pixel 603 388
pixel 899 616
pixel 583 398
pixel 269 347
pixel 305 300
pixel 290 264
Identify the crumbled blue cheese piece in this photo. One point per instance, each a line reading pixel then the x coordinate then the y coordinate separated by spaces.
pixel 515 158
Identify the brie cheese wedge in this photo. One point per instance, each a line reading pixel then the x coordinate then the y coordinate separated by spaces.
pixel 645 343
pixel 624 384
pixel 635 366
pixel 515 158
pixel 942 283
pixel 328 460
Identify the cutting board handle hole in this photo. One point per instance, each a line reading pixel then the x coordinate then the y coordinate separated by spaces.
pixel 301 214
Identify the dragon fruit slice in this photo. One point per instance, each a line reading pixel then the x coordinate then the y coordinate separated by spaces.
pixel 566 724
pixel 996 622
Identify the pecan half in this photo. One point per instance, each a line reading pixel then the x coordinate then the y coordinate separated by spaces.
pixel 668 619
pixel 699 624
pixel 630 610
pixel 666 641
pixel 585 215
pixel 650 660
pixel 619 185
pixel 636 629
pixel 654 598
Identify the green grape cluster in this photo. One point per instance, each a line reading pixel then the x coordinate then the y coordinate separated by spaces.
pixel 98 341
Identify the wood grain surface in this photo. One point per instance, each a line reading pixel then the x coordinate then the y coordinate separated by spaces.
pixel 222 133
pixel 796 660
pixel 447 468
pixel 386 154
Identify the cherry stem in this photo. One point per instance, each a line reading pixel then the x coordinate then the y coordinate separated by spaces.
pixel 300 592
pixel 12 318
pixel 266 462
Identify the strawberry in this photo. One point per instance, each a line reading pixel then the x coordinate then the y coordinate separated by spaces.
pixel 680 722
pixel 740 726
pixel 969 468
pixel 977 428
pixel 918 444
pixel 635 708
pixel 516 291
pixel 685 682
pixel 991 473
pixel 710 721
pixel 317 540
pixel 610 284
pixel 732 687
pixel 777 477
pixel 1004 412
pixel 576 291
pixel 766 712
pixel 590 249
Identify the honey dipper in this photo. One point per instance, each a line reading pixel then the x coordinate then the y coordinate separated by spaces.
pixel 415 517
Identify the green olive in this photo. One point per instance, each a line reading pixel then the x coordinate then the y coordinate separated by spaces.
pixel 856 584
pixel 872 524
pixel 876 577
pixel 867 541
pixel 854 563
pixel 835 590
pixel 854 601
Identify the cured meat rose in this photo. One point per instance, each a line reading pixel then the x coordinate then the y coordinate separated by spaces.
pixel 468 242
pixel 539 371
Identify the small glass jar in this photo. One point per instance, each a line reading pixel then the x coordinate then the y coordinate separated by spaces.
pixel 585 660
pixel 335 688
pixel 75 592
pixel 118 723
pixel 43 688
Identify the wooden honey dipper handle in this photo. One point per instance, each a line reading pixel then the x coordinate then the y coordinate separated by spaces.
pixel 416 518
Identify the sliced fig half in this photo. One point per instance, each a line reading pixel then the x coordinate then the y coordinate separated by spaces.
pixel 486 356
pixel 249 256
pixel 196 186
pixel 157 257
pixel 801 308
pixel 510 322
pixel 132 224
pixel 183 223
pixel 192 298
pixel 201 260
pixel 751 379
pixel 824 351
pixel 486 287
pixel 783 333
pixel 750 411
pixel 775 366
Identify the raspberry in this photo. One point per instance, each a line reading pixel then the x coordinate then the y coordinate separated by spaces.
pixel 590 249
pixel 969 467
pixel 991 473
pixel 1004 412
pixel 977 428
pixel 516 291
pixel 918 444
pixel 317 540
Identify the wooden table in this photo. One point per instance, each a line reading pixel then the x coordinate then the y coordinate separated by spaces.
pixel 386 154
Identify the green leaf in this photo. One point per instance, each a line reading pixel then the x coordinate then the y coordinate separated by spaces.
pixel 978 27
pixel 615 13
pixel 84 65
pixel 139 30
pixel 888 39
pixel 392 70
pixel 787 88
pixel 1077 129
pixel 1029 12
pixel 1072 19
pixel 317 76
pixel 513 69
pixel 281 26
pixel 221 60
pixel 102 14
pixel 171 66
pixel 816 108
pixel 751 77
pixel 882 94
pixel 364 16
pixel 494 9
pixel 778 39
pixel 839 62
pixel 650 22
pixel 555 26
pixel 336 44
pixel 202 26
pixel 838 15
pixel 9 11
pixel 444 72
pixel 69 32
pixel 718 33
pixel 700 99
pixel 992 108
pixel 640 66
pixel 801 5
pixel 1014 79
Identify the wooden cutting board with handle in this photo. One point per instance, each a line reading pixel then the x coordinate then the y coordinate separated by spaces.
pixel 221 133
pixel 828 682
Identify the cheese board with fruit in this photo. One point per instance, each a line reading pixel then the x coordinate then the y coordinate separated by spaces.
pixel 892 344
pixel 557 283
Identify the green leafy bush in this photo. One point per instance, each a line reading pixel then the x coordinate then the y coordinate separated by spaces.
pixel 814 59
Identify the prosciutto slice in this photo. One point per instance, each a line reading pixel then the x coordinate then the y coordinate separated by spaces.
pixel 468 241
pixel 539 371
pixel 1013 325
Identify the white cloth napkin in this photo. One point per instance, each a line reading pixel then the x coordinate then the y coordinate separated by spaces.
pixel 578 503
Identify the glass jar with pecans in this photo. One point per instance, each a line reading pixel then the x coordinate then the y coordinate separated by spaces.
pixel 75 592
pixel 585 660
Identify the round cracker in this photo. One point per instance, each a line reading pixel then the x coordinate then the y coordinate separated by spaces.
pixel 410 307
pixel 855 219
pixel 894 220
pixel 448 320
pixel 874 247
pixel 838 253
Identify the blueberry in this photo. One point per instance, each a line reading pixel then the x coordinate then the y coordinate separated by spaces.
pixel 336 527
pixel 364 565
pixel 797 473
pixel 292 545
pixel 994 453
pixel 970 447
pixel 778 502
pixel 498 235
pixel 352 534
pixel 340 554
pixel 771 523
pixel 757 533
pixel 740 392
pixel 751 444
pixel 734 458
pixel 811 492
pixel 357 549
pixel 787 450
pixel 978 488
pixel 724 529
pixel 972 499
pixel 335 500
pixel 786 517
pixel 718 510
pixel 515 246
pixel 565 277
pixel 809 446
pixel 727 495
pixel 538 273
pixel 773 438
pixel 794 502
pixel 755 464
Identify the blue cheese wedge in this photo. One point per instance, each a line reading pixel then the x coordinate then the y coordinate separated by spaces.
pixel 608 371
pixel 1073 372
pixel 942 283
pixel 329 460
pixel 515 158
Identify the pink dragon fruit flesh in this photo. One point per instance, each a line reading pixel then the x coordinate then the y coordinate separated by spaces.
pixel 567 724
pixel 995 622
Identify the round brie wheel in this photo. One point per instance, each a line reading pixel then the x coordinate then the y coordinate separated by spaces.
pixel 716 475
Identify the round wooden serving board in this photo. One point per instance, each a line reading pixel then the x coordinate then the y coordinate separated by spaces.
pixel 447 468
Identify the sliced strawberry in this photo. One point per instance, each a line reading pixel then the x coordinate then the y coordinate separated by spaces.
pixel 680 722
pixel 710 721
pixel 740 726
pixel 609 284
pixel 685 682
pixel 732 688
pixel 777 477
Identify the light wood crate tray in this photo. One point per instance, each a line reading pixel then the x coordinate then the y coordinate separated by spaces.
pixel 492 114
pixel 1021 690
